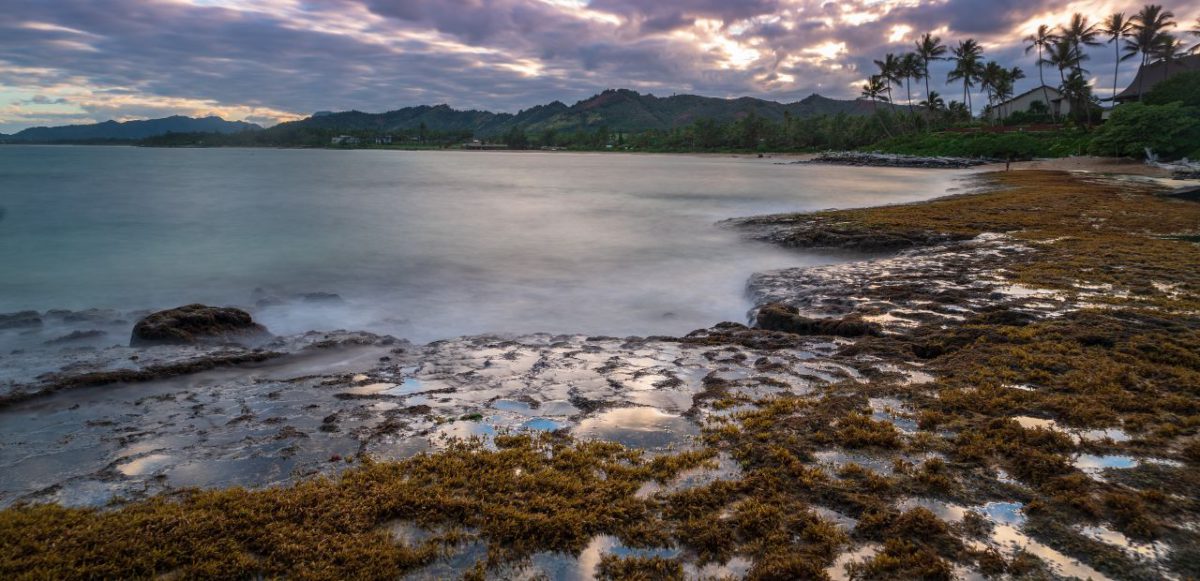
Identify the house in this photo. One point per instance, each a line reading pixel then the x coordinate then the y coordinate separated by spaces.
pixel 1058 105
pixel 383 140
pixel 1155 73
pixel 345 140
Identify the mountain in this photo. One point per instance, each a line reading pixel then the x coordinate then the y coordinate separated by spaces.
pixel 620 110
pixel 130 130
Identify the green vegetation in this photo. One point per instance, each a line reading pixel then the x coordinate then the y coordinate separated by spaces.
pixel 1015 145
pixel 1171 131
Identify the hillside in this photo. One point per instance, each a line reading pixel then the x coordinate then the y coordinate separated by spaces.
pixel 618 109
pixel 129 130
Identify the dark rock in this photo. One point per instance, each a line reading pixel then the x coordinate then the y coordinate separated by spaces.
pixel 77 336
pixel 779 317
pixel 192 324
pixel 321 298
pixel 20 320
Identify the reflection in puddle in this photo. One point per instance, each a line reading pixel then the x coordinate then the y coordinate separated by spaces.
pixel 369 388
pixel 1093 464
pixel 638 427
pixel 144 465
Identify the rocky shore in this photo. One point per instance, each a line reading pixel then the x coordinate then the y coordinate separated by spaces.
pixel 1006 393
pixel 863 159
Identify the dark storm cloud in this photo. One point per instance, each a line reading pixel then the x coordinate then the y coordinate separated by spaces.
pixel 268 58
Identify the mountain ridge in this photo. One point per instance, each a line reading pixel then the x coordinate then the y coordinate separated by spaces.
pixel 618 110
pixel 129 130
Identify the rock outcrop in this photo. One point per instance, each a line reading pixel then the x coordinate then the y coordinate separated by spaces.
pixel 780 317
pixel 193 324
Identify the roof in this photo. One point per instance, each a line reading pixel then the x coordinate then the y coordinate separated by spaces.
pixel 1055 95
pixel 1155 73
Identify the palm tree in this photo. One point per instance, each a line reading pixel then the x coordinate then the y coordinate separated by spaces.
pixel 873 89
pixel 1080 33
pixel 1170 49
pixel 933 102
pixel 889 71
pixel 991 76
pixel 929 49
pixel 910 68
pixel 1008 83
pixel 1063 55
pixel 1116 27
pixel 967 68
pixel 1149 26
pixel 1041 41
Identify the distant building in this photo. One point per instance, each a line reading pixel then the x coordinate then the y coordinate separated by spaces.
pixel 1057 106
pixel 345 140
pixel 383 140
pixel 1155 73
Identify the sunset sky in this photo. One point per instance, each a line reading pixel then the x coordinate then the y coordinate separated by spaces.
pixel 265 61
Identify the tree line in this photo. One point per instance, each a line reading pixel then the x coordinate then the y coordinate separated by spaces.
pixel 1144 36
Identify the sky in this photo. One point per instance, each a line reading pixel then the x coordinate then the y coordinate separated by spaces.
pixel 267 61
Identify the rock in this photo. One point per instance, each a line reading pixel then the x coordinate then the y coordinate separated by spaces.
pixel 780 317
pixel 192 324
pixel 76 336
pixel 321 298
pixel 856 158
pixel 20 320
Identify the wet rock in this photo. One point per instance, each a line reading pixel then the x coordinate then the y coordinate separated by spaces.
pixel 817 231
pixel 98 316
pixel 321 298
pixel 20 320
pixel 779 317
pixel 74 336
pixel 193 324
pixel 861 159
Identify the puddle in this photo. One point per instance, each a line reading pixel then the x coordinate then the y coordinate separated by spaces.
pixel 638 427
pixel 837 459
pixel 1093 464
pixel 369 389
pixel 542 425
pixel 837 571
pixel 889 409
pixel 145 465
pixel 409 386
pixel 726 469
pixel 1030 423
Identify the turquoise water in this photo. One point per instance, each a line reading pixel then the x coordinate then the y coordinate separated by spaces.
pixel 423 245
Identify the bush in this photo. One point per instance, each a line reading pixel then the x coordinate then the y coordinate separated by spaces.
pixel 1017 145
pixel 1183 88
pixel 1171 131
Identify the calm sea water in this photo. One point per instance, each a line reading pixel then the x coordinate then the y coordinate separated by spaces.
pixel 423 245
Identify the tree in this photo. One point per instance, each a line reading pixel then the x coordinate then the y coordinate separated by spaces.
pixel 1170 49
pixel 967 68
pixel 934 103
pixel 874 90
pixel 910 68
pixel 1041 41
pixel 889 71
pixel 1116 27
pixel 1180 88
pixel 1065 58
pixel 1080 34
pixel 991 77
pixel 929 49
pixel 1171 131
pixel 1149 26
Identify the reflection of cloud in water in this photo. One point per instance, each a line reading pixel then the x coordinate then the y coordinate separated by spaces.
pixel 638 427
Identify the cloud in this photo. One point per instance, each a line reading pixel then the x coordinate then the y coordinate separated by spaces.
pixel 272 60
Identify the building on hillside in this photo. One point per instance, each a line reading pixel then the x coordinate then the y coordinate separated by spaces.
pixel 345 140
pixel 1057 105
pixel 1155 73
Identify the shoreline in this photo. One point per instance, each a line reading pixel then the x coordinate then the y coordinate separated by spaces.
pixel 843 415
